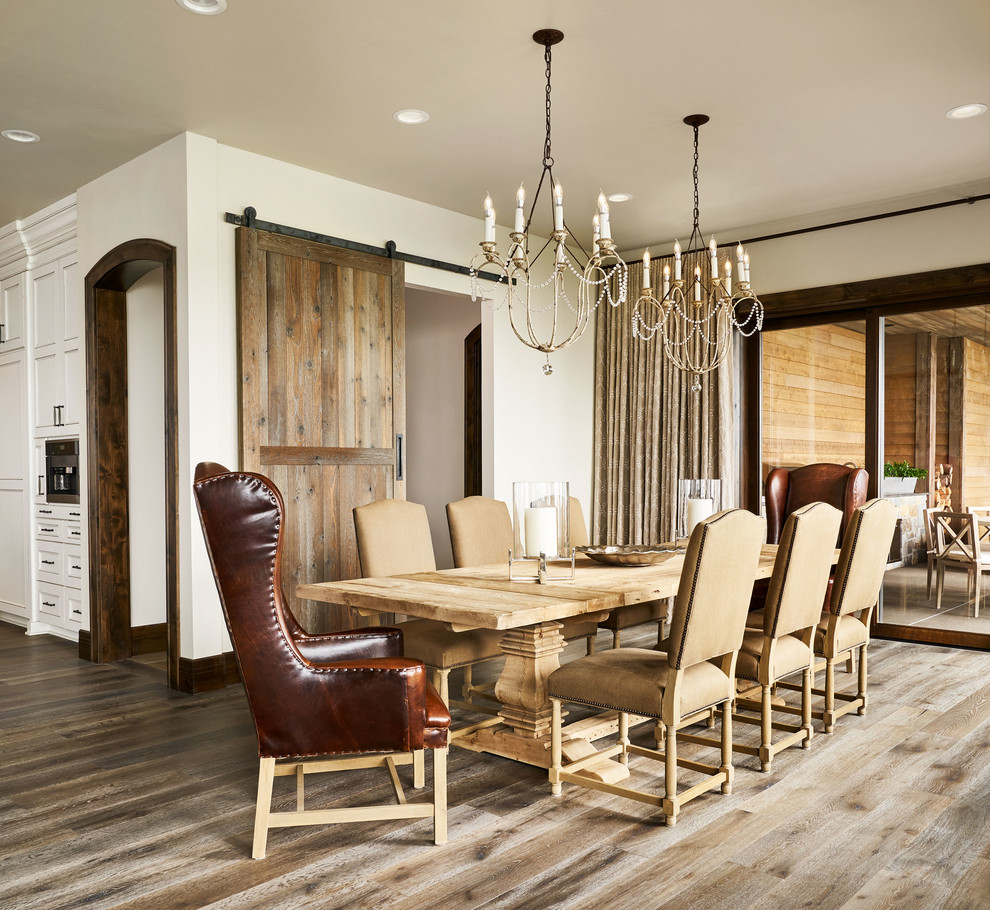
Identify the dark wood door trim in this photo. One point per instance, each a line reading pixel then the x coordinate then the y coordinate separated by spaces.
pixel 109 571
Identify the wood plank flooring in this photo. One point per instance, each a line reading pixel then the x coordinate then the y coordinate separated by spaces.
pixel 117 793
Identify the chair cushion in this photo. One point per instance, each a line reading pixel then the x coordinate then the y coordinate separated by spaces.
pixel 441 649
pixel 790 654
pixel 633 680
pixel 635 615
pixel 849 633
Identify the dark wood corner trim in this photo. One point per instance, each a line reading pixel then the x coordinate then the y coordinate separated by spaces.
pixel 85 645
pixel 207 674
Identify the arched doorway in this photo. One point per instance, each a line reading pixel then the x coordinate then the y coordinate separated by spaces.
pixel 107 449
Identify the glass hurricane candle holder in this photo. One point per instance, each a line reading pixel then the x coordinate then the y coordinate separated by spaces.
pixel 540 531
pixel 697 499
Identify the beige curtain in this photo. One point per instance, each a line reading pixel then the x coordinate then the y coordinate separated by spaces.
pixel 651 430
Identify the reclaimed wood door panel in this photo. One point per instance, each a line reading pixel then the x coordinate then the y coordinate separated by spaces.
pixel 322 397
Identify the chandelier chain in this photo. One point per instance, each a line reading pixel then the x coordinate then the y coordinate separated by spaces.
pixel 697 207
pixel 547 156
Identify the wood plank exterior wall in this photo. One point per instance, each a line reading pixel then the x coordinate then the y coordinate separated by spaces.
pixel 976 391
pixel 814 396
pixel 900 381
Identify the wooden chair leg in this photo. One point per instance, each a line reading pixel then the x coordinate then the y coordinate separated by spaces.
pixel 850 666
pixel 766 734
pixel 615 639
pixel 266 778
pixel 861 710
pixel 468 683
pixel 939 581
pixel 931 564
pixel 439 796
pixel 726 768
pixel 441 682
pixel 419 769
pixel 828 716
pixel 976 593
pixel 591 645
pixel 806 709
pixel 555 746
pixel 624 737
pixel 670 775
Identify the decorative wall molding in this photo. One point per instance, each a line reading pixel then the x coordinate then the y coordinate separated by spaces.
pixel 13 250
pixel 45 231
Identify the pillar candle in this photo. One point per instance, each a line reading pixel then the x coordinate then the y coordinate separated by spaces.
pixel 698 510
pixel 540 526
pixel 677 260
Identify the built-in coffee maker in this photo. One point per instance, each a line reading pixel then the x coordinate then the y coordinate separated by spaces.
pixel 62 470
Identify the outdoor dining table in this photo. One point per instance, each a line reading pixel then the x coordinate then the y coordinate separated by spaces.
pixel 532 616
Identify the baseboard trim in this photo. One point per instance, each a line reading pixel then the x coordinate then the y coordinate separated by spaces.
pixel 85 645
pixel 149 639
pixel 206 674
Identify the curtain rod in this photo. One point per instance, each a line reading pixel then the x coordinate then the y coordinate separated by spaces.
pixel 249 219
pixel 968 200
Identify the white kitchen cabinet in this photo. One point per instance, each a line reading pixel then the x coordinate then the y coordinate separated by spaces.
pixel 59 385
pixel 15 492
pixel 13 309
pixel 59 570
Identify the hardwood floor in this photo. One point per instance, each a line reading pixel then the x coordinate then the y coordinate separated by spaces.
pixel 117 793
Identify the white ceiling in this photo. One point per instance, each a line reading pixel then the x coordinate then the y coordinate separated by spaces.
pixel 819 110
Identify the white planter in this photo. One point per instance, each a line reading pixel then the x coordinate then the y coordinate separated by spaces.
pixel 894 485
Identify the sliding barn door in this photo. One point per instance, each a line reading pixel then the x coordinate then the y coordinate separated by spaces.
pixel 322 335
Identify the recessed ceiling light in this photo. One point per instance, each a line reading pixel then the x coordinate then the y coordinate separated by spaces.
pixel 410 115
pixel 619 197
pixel 203 7
pixel 20 136
pixel 965 111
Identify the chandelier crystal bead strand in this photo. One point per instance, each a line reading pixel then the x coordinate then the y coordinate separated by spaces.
pixel 593 279
pixel 696 321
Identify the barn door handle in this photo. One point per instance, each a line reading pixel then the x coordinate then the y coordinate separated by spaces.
pixel 399 456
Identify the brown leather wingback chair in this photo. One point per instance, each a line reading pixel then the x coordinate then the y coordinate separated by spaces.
pixel 313 695
pixel 788 490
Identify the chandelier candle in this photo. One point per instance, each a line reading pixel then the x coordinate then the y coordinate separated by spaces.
pixel 646 270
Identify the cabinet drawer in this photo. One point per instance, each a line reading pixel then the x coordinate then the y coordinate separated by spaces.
pixel 73 566
pixel 48 529
pixel 49 563
pixel 72 531
pixel 73 608
pixel 50 605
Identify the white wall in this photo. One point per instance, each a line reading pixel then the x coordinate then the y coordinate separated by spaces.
pixel 926 241
pixel 146 447
pixel 436 326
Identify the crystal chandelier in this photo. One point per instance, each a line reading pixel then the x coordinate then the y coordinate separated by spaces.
pixel 695 318
pixel 594 278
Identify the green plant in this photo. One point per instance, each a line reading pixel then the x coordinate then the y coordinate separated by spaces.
pixel 902 469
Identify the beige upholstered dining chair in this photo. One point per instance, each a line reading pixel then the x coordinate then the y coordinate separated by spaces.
pixel 845 628
pixel 393 538
pixel 958 545
pixel 481 535
pixel 696 674
pixel 784 646
pixel 621 617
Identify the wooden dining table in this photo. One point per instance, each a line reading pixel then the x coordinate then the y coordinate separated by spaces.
pixel 532 616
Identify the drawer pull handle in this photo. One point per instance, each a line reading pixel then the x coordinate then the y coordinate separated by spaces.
pixel 45 603
pixel 48 562
pixel 77 612
pixel 44 511
pixel 48 530
pixel 75 533
pixel 73 514
pixel 77 568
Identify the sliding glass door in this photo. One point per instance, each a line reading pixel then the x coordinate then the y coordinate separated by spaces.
pixel 903 391
pixel 936 421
